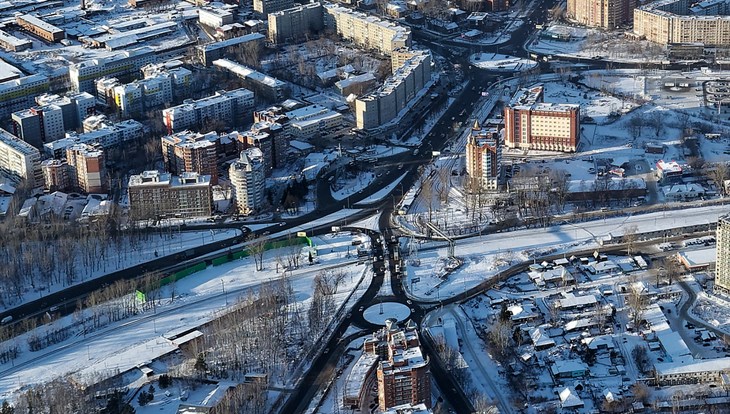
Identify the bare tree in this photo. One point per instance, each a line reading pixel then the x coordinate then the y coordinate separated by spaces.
pixel 630 236
pixel 257 248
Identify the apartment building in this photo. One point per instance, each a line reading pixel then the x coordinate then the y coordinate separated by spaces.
pixel 74 107
pixel 264 7
pixel 722 263
pixel 217 50
pixel 313 121
pixel 271 138
pixel 191 152
pixel 86 168
pixel 19 160
pixel 19 94
pixel 135 98
pixel 38 27
pixel 55 175
pixel 155 194
pixel 103 133
pixel 403 374
pixel 531 123
pixel 295 23
pixel 181 78
pixel 484 157
pixel 39 124
pixel 231 107
pixel 384 104
pixel 248 180
pixel 125 66
pixel 680 22
pixel 264 86
pixel 606 14
pixel 366 31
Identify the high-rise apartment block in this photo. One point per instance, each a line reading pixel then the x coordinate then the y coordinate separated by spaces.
pixel 74 107
pixel 271 138
pixel 39 124
pixel 19 159
pixel 529 123
pixel 247 181
pixel 384 104
pixel 191 152
pixel 684 22
pixel 366 31
pixel 403 373
pixel 606 14
pixel 295 23
pixel 484 157
pixel 181 78
pixel 264 7
pixel 230 107
pixel 154 194
pixel 722 263
pixel 86 169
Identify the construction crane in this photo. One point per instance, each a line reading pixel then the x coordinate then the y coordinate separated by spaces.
pixel 452 243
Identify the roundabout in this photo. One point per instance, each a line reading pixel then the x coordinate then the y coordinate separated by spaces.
pixel 378 313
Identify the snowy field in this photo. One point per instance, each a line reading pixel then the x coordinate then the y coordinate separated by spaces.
pixel 590 43
pixel 188 303
pixel 485 256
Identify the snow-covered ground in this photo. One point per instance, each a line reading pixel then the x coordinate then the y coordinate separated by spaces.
pixel 502 63
pixel 198 298
pixel 484 256
pixel 590 43
pixel 124 255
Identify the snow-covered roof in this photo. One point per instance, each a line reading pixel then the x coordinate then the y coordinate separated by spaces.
pixel 572 301
pixel 358 374
pixel 690 365
pixel 564 366
pixel 699 257
pixel 673 344
pixel 568 399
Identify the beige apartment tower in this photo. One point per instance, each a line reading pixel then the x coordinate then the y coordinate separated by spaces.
pixel 722 266
pixel 606 14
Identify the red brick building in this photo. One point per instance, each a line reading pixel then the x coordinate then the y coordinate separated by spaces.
pixel 532 124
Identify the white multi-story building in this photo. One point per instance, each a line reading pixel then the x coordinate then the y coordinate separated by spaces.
pixel 125 66
pixel 230 107
pixel 181 78
pixel 20 160
pixel 214 17
pixel 247 181
pixel 365 30
pixel 722 263
pixel 106 134
pixel 39 124
pixel 313 120
pixel 141 95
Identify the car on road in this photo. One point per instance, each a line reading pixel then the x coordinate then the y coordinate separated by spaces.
pixel 410 302
pixel 282 224
pixel 362 308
